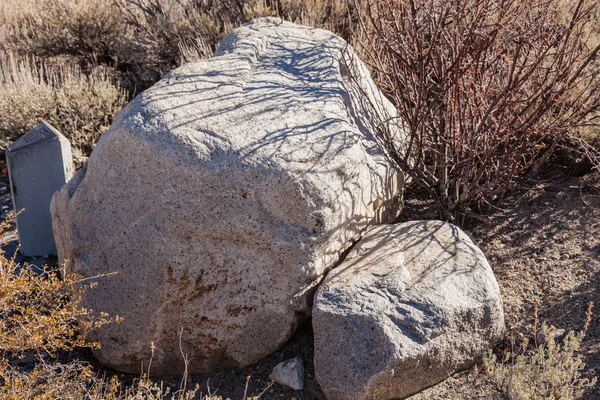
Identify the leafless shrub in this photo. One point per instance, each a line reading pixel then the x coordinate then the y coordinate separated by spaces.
pixel 486 90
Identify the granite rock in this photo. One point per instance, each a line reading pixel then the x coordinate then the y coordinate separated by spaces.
pixel 289 373
pixel 411 304
pixel 223 194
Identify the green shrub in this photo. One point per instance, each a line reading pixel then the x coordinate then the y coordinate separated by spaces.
pixel 552 371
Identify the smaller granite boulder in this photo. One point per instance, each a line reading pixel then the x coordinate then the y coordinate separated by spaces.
pixel 411 304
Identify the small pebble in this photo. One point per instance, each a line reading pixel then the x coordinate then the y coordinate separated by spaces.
pixel 289 373
pixel 592 266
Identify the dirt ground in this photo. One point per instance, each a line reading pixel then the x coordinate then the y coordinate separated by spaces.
pixel 544 248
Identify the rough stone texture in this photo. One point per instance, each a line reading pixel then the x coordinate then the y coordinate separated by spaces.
pixel 289 373
pixel 222 194
pixel 411 304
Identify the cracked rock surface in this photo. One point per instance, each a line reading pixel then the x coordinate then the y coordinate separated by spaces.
pixel 221 195
pixel 411 304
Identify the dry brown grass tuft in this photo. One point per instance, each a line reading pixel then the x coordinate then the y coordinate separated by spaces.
pixel 80 105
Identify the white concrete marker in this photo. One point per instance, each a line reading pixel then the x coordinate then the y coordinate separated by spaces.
pixel 39 164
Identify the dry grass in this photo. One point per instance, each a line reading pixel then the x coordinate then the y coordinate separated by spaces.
pixel 67 60
pixel 144 39
pixel 80 105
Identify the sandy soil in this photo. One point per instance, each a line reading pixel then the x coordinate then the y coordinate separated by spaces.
pixel 544 249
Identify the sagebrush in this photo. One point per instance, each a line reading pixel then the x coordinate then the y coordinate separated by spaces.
pixel 551 371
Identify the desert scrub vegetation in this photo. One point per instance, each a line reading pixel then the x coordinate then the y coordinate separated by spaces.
pixel 549 371
pixel 81 105
pixel 486 90
pixel 45 28
pixel 40 317
pixel 137 41
pixel 144 39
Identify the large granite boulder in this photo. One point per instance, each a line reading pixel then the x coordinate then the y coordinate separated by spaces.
pixel 411 304
pixel 222 194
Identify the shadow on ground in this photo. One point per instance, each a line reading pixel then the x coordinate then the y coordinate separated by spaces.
pixel 545 249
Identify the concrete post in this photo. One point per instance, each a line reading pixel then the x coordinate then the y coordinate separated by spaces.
pixel 39 164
